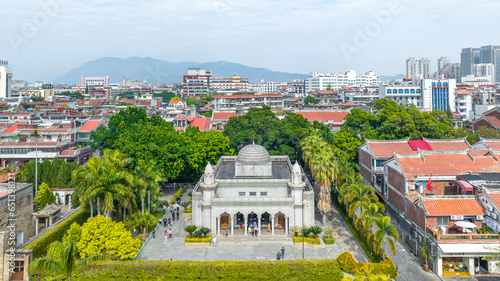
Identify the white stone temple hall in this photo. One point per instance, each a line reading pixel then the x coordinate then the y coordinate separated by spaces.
pixel 253 189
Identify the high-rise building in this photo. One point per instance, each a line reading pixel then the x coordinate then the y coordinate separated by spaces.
pixel 442 62
pixel 469 57
pixel 451 71
pixel 424 67
pixel 491 54
pixel 484 70
pixel 411 68
pixel 5 79
pixel 196 81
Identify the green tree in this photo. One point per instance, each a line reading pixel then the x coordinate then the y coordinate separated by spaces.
pixel 100 235
pixel 105 179
pixel 309 100
pixel 61 261
pixel 488 133
pixel 165 96
pixel 142 221
pixel 147 180
pixel 386 233
pixel 45 196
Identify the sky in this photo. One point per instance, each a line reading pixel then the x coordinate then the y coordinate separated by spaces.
pixel 47 38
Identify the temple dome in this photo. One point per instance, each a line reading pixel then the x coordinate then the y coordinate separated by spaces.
pixel 253 154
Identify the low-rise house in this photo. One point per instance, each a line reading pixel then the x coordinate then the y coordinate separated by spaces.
pixel 332 119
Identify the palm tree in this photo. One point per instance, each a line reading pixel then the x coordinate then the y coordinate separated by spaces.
pixel 205 231
pixel 369 213
pixel 62 261
pixel 386 233
pixel 321 160
pixel 360 195
pixel 146 181
pixel 140 221
pixel 296 230
pixel 105 179
pixel 35 136
pixel 185 204
pixel 190 229
pixel 316 230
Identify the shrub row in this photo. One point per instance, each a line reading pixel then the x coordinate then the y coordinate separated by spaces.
pixel 317 269
pixel 310 240
pixel 40 245
pixel 198 240
pixel 348 264
pixel 177 194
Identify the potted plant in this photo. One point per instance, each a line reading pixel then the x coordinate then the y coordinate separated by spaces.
pixel 425 256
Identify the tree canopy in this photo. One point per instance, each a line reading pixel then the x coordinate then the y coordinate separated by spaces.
pixel 391 120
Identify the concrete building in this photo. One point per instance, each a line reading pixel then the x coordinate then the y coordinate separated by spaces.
pixel 245 102
pixel 320 81
pixel 491 54
pixel 234 84
pixel 442 62
pixel 438 94
pixel 5 80
pixel 253 189
pixel 22 195
pixel 93 81
pixel 484 70
pixel 402 94
pixel 424 67
pixel 476 81
pixel 196 81
pixel 412 69
pixel 451 71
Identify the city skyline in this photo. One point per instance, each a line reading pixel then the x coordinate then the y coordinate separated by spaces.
pixel 53 37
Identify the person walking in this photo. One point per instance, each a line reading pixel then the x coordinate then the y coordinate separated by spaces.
pixel 173 216
pixel 256 231
pixel 166 235
pixel 214 240
pixel 159 222
pixel 177 215
pixel 282 253
pixel 164 222
pixel 269 227
pixel 278 255
pixel 153 234
pixel 169 233
pixel 253 231
pixel 169 222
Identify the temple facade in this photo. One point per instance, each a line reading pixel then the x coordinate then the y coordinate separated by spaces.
pixel 253 189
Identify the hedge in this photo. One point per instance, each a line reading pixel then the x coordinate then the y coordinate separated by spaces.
pixel 348 264
pixel 308 269
pixel 56 233
pixel 178 194
pixel 207 239
pixel 329 240
pixel 310 240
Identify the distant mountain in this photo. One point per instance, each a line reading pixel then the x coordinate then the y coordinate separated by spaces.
pixel 159 71
pixel 387 78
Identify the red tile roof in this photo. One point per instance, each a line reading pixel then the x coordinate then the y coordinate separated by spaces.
pixel 493 120
pixel 448 145
pixel 174 101
pixel 386 149
pixel 90 125
pixel 12 128
pixel 223 115
pixel 493 144
pixel 68 152
pixel 479 152
pixel 452 206
pixel 323 92
pixel 5 113
pixel 180 117
pixel 203 124
pixel 324 116
pixel 444 164
pixel 495 197
pixel 416 144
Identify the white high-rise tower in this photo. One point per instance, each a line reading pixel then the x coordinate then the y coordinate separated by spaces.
pixel 5 79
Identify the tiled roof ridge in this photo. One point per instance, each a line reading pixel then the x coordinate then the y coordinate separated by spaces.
pixel 388 141
pixel 428 152
pixel 445 140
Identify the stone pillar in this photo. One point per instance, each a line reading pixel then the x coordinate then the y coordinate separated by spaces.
pixel 36 225
pixel 218 225
pixel 232 225
pixel 439 266
pixel 245 227
pixel 286 225
pixel 50 220
pixel 259 218
pixel 272 224
pixel 470 265
pixel 69 203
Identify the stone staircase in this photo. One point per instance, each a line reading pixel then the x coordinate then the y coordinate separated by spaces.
pixel 249 240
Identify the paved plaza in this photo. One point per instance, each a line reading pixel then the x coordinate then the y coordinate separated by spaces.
pixel 265 247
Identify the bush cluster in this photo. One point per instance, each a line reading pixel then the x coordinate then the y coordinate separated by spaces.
pixel 40 245
pixel 198 240
pixel 188 210
pixel 310 240
pixel 329 240
pixel 348 264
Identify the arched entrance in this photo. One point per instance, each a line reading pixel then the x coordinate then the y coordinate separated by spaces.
pixel 265 224
pixel 239 227
pixel 224 223
pixel 281 223
pixel 252 222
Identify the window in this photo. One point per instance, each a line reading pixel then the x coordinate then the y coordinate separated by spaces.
pixel 407 91
pixel 253 193
pixel 263 194
pixel 443 221
pixel 379 163
pixel 389 91
pixel 242 193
